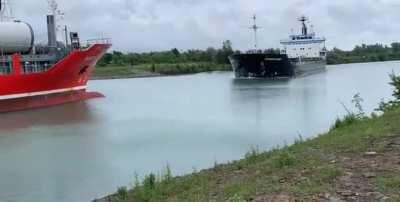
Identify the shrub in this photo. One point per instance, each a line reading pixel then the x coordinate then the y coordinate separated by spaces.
pixel 285 159
pixel 387 106
pixel 347 120
pixel 357 101
pixel 396 84
pixel 149 182
pixel 122 193
pixel 167 176
pixel 252 154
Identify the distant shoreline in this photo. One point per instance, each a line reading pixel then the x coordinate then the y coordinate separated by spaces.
pixel 94 78
pixel 155 70
pixel 153 75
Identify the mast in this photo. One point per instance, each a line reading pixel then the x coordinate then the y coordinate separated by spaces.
pixel 255 28
pixel 6 13
pixel 304 30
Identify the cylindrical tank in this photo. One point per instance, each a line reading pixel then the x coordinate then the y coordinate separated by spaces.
pixel 16 37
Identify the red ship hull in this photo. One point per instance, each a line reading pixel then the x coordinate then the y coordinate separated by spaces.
pixel 40 101
pixel 64 82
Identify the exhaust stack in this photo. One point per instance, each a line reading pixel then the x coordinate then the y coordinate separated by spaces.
pixel 51 31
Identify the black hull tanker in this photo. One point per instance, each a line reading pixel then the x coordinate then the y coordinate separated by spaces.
pixel 261 65
pixel 300 55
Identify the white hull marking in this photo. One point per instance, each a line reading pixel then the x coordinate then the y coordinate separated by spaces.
pixel 32 94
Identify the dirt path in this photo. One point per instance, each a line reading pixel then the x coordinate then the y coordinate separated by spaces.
pixel 360 179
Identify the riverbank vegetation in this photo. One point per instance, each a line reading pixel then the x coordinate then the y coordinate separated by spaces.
pixel 357 160
pixel 171 62
pixel 365 53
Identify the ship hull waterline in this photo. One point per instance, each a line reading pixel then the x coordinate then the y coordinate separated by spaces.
pixel 273 66
pixel 64 82
pixel 48 100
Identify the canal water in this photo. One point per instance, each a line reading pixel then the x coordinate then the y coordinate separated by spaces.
pixel 82 151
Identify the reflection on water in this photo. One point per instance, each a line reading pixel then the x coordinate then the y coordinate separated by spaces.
pixel 254 89
pixel 250 94
pixel 71 113
pixel 281 106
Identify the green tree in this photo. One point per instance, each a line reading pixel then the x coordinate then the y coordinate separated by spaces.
pixel 118 57
pixel 225 52
pixel 106 59
pixel 175 52
pixel 396 47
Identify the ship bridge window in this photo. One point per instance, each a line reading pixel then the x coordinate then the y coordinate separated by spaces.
pixel 5 68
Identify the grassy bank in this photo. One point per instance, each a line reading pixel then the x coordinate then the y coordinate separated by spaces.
pixel 357 160
pixel 143 70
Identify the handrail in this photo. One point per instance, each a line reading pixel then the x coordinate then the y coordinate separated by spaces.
pixel 99 41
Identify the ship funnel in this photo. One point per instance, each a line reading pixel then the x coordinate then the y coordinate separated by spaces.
pixel 51 31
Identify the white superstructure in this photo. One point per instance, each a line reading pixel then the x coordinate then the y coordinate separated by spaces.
pixel 305 45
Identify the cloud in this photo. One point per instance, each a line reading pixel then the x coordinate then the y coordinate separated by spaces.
pixel 149 25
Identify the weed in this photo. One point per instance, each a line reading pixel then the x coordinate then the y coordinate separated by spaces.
pixel 390 105
pixel 167 176
pixel 236 198
pixel 347 120
pixel 390 182
pixel 252 154
pixel 285 159
pixel 122 193
pixel 357 101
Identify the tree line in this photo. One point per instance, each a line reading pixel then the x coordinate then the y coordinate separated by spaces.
pixel 365 53
pixel 173 56
pixel 360 53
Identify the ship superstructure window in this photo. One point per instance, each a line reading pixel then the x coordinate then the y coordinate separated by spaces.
pixel 5 68
pixel 35 67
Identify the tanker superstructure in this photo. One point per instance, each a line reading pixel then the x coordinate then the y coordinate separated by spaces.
pixel 306 51
pixel 40 75
pixel 299 55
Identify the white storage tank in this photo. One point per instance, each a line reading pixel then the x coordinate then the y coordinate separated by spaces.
pixel 16 37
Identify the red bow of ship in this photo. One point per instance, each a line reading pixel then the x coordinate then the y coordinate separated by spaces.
pixel 36 75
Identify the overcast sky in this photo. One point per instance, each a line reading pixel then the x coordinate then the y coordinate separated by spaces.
pixel 149 25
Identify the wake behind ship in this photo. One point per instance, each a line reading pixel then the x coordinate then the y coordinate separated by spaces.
pixel 300 54
pixel 40 75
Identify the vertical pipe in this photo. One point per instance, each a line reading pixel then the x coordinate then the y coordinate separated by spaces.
pixel 66 35
pixel 16 64
pixel 51 31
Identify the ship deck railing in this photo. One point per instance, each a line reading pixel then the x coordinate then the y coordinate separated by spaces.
pixel 98 41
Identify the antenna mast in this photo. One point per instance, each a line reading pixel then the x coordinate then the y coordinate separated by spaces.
pixel 6 13
pixel 304 30
pixel 255 28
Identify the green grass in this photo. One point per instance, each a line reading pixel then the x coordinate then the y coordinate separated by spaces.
pixel 158 69
pixel 301 169
pixel 390 183
pixel 117 71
